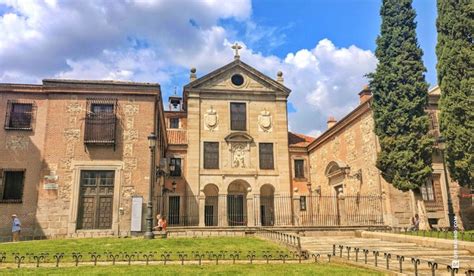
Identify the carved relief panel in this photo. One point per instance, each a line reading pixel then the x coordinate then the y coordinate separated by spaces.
pixel 265 121
pixel 211 120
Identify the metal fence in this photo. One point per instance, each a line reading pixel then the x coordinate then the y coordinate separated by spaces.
pixel 279 210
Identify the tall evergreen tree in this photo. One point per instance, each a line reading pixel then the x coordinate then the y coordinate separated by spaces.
pixel 455 51
pixel 400 94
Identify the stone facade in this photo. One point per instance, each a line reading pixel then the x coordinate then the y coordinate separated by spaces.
pixel 330 180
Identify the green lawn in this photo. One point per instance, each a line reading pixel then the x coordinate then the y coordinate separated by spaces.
pixel 462 236
pixel 132 245
pixel 238 269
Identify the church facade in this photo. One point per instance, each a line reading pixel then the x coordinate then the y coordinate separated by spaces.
pixel 75 160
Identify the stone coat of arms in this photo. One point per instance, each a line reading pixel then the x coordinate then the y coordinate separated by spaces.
pixel 211 120
pixel 265 121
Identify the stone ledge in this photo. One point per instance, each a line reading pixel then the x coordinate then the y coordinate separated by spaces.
pixel 422 241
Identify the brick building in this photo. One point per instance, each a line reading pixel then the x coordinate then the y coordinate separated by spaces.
pixel 74 152
pixel 75 160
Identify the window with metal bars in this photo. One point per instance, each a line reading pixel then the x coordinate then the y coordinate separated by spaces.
pixel 266 156
pixel 211 155
pixel 299 168
pixel 101 120
pixel 177 167
pixel 11 185
pixel 19 115
pixel 238 116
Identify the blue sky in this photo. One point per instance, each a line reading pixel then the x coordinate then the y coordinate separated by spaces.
pixel 323 47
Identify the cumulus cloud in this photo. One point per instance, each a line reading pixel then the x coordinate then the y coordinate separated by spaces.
pixel 158 40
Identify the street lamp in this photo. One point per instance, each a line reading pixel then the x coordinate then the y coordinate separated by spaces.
pixel 442 147
pixel 149 216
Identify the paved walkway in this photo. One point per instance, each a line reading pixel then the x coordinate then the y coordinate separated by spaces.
pixel 324 245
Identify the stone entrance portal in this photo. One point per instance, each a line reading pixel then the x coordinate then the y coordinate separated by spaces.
pixel 267 205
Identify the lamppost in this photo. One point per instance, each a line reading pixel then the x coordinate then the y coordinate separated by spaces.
pixel 442 146
pixel 149 215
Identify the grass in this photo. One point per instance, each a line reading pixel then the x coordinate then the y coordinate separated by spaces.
pixel 462 235
pixel 237 269
pixel 131 245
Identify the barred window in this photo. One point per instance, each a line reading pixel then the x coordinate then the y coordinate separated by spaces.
pixel 427 191
pixel 19 116
pixel 174 122
pixel 177 167
pixel 100 124
pixel 238 116
pixel 11 185
pixel 302 203
pixel 266 156
pixel 211 155
pixel 299 168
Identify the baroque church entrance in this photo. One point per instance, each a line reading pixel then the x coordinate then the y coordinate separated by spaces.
pixel 237 203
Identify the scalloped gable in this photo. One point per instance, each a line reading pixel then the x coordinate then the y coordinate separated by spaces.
pixel 220 79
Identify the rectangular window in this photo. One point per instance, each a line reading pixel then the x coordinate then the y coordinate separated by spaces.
pixel 427 191
pixel 100 121
pixel 299 168
pixel 176 162
pixel 302 203
pixel 211 155
pixel 19 116
pixel 238 116
pixel 174 122
pixel 266 156
pixel 11 186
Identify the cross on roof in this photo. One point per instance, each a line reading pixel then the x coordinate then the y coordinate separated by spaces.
pixel 236 48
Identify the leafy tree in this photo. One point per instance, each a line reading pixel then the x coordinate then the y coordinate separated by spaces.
pixel 400 95
pixel 455 66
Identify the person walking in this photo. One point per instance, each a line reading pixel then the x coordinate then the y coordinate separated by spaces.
pixel 16 228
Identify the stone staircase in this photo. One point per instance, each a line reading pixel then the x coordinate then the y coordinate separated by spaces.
pixel 323 245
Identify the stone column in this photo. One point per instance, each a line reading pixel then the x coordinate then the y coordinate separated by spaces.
pixel 258 219
pixel 296 209
pixel 222 214
pixel 202 204
pixel 250 211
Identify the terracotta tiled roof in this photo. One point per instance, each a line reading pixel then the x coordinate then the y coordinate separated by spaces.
pixel 177 137
pixel 299 140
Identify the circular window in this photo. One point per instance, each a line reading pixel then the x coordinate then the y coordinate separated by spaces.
pixel 237 80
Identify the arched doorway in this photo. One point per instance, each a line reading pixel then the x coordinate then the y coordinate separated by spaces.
pixel 211 205
pixel 267 205
pixel 335 172
pixel 237 203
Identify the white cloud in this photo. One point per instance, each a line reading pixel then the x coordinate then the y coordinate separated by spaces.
pixel 155 41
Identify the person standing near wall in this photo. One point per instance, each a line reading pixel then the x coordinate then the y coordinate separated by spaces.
pixel 16 228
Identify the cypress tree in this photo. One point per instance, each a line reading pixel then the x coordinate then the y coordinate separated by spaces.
pixel 400 94
pixel 455 52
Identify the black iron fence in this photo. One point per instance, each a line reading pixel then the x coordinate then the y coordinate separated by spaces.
pixel 278 210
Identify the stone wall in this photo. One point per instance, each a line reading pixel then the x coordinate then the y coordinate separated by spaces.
pixel 22 149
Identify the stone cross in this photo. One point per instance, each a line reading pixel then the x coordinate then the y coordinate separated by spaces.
pixel 236 48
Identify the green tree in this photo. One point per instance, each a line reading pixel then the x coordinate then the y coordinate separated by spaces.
pixel 400 95
pixel 455 66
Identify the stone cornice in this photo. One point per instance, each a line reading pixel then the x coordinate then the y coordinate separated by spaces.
pixel 341 124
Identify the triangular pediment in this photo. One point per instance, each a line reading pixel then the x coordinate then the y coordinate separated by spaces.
pixel 221 79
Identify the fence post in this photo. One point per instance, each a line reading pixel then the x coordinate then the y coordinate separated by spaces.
pixel 296 209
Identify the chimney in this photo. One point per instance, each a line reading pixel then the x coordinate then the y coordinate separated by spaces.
pixel 331 121
pixel 192 75
pixel 365 94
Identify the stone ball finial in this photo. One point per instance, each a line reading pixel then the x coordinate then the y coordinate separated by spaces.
pixel 279 74
pixel 193 70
